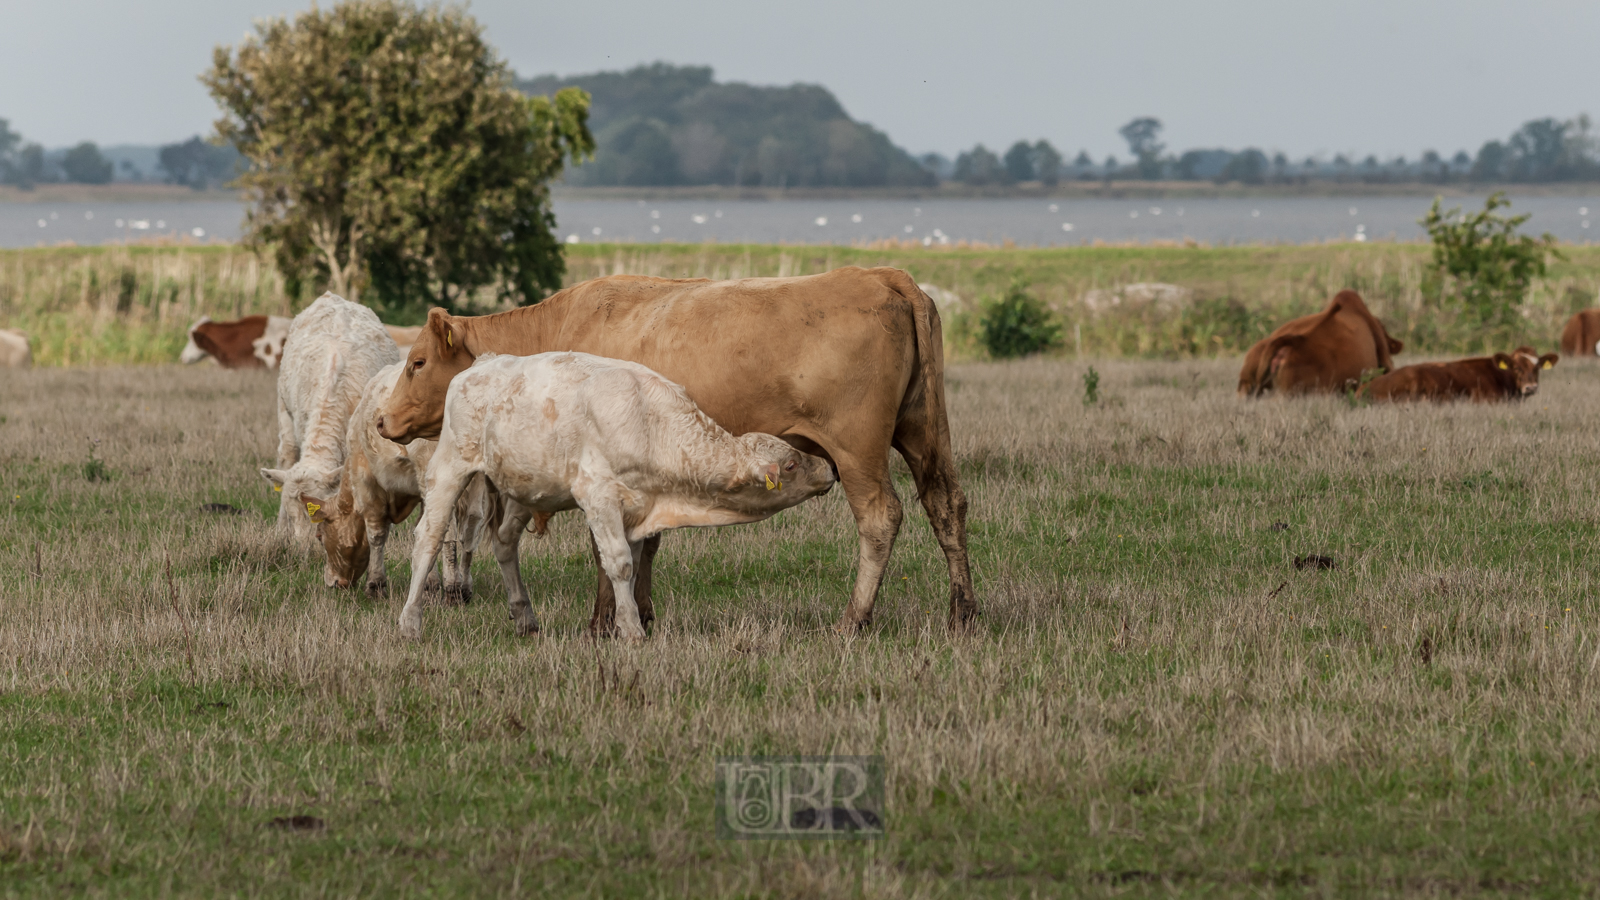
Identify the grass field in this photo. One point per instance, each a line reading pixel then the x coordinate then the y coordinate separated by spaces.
pixel 1156 701
pixel 133 305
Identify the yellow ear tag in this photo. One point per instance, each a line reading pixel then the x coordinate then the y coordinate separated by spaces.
pixel 311 509
pixel 1547 365
pixel 277 489
pixel 1502 364
pixel 449 340
pixel 771 486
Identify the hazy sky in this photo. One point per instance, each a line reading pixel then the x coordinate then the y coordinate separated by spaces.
pixel 1369 76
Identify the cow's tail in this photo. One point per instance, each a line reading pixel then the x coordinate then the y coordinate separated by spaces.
pixel 929 333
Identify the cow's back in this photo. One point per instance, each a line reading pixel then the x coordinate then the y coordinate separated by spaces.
pixel 1581 334
pixel 719 339
pixel 333 348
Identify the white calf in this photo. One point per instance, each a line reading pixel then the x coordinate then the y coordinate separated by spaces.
pixel 14 350
pixel 380 486
pixel 333 349
pixel 568 430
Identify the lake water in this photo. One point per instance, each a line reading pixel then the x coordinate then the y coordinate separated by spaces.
pixel 1029 222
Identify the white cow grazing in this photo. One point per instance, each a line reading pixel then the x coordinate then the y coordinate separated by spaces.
pixel 380 486
pixel 14 350
pixel 568 430
pixel 333 349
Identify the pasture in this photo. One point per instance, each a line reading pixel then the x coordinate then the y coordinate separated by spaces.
pixel 1156 699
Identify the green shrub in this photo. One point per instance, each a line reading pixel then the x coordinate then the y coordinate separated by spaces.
pixel 1482 266
pixel 1017 324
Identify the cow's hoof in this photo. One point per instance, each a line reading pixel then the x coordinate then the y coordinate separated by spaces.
pixel 634 639
pixel 963 620
pixel 432 586
pixel 411 627
pixel 527 623
pixel 378 590
pixel 457 594
pixel 847 628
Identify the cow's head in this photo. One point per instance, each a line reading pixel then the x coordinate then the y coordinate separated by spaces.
pixel 415 408
pixel 192 351
pixel 776 477
pixel 302 479
pixel 343 536
pixel 1523 367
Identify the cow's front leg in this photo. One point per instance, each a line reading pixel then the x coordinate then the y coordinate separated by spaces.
pixel 603 620
pixel 377 575
pixel 617 557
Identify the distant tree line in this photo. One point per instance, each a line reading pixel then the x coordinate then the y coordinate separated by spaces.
pixel 193 162
pixel 662 124
pixel 1542 150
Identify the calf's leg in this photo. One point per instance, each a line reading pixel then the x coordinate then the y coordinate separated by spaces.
pixel 616 558
pixel 603 620
pixel 507 540
pixel 445 486
pixel 377 575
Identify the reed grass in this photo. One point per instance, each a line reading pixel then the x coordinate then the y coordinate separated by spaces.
pixel 133 305
pixel 1157 700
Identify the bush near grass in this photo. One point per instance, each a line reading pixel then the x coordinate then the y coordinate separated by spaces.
pixel 1017 324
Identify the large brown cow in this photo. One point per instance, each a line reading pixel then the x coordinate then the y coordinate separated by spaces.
pixel 843 365
pixel 1321 353
pixel 1581 337
pixel 1485 379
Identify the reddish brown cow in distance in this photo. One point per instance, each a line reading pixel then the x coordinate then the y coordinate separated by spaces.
pixel 1483 378
pixel 842 365
pixel 253 342
pixel 1319 353
pixel 1582 334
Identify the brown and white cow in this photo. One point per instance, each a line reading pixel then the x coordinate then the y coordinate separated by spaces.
pixel 15 353
pixel 560 431
pixel 253 342
pixel 1581 336
pixel 1485 379
pixel 1323 353
pixel 845 365
pixel 380 486
pixel 333 349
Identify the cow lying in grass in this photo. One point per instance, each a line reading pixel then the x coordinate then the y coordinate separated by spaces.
pixel 563 431
pixel 380 486
pixel 253 342
pixel 1320 353
pixel 333 349
pixel 1484 379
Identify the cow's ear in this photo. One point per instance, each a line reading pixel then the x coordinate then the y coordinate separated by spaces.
pixel 315 508
pixel 278 477
pixel 1502 361
pixel 1549 360
pixel 446 329
pixel 1395 346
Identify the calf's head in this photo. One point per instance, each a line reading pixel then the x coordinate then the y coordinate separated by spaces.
pixel 415 408
pixel 776 477
pixel 1522 367
pixel 302 479
pixel 343 536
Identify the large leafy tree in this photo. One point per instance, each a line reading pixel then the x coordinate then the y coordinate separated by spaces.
pixel 385 147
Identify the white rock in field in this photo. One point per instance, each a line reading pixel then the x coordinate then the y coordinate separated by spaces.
pixel 1167 298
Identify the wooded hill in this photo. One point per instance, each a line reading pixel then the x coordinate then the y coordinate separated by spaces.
pixel 662 124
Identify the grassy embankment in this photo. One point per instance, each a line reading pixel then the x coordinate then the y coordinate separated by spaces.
pixel 1156 700
pixel 132 305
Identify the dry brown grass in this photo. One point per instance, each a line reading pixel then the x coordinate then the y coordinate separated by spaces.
pixel 1157 700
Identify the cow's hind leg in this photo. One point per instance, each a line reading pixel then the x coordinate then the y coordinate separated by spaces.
pixel 603 620
pixel 939 489
pixel 507 541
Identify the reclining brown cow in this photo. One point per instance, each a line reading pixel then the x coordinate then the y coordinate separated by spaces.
pixel 843 365
pixel 1581 337
pixel 1322 353
pixel 1485 379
